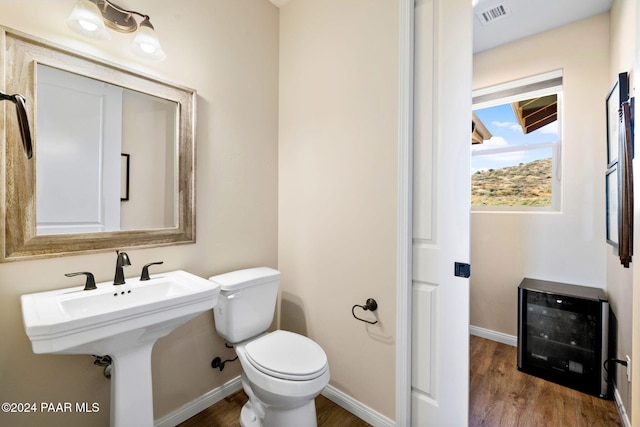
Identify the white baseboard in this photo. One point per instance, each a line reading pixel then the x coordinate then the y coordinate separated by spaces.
pixel 200 404
pixel 511 340
pixel 624 417
pixel 208 399
pixel 356 408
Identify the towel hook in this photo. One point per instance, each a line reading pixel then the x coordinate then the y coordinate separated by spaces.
pixel 370 305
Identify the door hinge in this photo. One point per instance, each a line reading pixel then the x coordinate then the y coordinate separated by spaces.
pixel 462 270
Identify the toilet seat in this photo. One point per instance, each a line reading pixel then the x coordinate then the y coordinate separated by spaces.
pixel 287 356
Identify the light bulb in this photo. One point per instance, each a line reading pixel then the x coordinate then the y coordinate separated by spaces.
pixel 86 19
pixel 146 43
pixel 149 48
pixel 89 26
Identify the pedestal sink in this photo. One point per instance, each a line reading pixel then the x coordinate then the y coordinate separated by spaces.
pixel 122 321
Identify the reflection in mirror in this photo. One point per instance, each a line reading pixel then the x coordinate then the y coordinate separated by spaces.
pixel 84 126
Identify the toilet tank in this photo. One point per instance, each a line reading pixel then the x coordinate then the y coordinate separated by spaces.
pixel 246 303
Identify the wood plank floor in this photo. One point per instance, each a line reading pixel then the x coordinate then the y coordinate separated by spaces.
pixel 500 396
pixel 226 413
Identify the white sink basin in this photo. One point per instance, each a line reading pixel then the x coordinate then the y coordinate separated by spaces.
pixel 76 321
pixel 122 321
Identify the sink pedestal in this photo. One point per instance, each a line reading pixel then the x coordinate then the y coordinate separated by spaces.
pixel 131 384
pixel 131 387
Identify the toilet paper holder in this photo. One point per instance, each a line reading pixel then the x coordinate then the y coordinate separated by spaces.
pixel 370 305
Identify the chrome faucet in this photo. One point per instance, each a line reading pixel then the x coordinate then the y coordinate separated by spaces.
pixel 122 261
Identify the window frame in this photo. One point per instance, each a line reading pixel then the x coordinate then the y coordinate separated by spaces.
pixel 517 90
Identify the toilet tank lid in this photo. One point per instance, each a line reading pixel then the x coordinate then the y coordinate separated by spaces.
pixel 245 278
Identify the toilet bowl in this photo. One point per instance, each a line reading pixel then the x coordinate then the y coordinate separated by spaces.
pixel 283 372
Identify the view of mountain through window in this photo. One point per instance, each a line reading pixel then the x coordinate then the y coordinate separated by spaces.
pixel 514 158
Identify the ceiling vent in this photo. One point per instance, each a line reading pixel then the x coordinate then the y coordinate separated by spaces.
pixel 493 14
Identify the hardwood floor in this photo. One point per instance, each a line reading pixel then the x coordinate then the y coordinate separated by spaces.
pixel 226 413
pixel 500 395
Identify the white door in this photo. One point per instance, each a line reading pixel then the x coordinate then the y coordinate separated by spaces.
pixel 79 128
pixel 441 209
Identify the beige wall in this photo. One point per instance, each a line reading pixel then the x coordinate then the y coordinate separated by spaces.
pixel 620 279
pixel 228 52
pixel 568 246
pixel 337 188
pixel 635 321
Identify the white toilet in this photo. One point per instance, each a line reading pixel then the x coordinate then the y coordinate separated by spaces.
pixel 283 372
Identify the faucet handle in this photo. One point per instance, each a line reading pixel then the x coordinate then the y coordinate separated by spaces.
pixel 145 270
pixel 89 284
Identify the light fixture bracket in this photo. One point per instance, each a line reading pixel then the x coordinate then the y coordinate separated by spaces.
pixel 117 18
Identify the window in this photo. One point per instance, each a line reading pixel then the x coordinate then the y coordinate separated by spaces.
pixel 515 153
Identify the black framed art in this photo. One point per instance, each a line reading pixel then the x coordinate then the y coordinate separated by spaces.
pixel 124 180
pixel 618 94
pixel 612 205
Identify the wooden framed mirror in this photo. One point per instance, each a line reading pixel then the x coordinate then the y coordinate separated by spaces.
pixel 67 199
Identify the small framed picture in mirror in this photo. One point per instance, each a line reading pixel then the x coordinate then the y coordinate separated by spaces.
pixel 124 182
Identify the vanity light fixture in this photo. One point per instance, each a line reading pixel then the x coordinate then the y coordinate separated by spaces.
pixel 91 18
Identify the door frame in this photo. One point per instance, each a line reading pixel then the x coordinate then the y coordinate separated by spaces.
pixel 405 214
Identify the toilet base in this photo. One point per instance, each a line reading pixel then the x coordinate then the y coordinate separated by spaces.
pixel 304 415
pixel 248 418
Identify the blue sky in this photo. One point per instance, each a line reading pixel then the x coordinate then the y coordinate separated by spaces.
pixel 506 132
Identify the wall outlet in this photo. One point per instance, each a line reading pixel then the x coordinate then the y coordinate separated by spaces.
pixel 628 368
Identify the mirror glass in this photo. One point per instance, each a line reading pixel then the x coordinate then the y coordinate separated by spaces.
pixel 113 164
pixel 105 156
